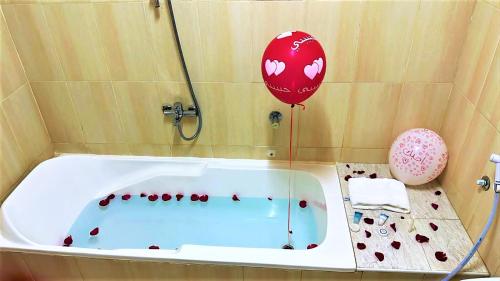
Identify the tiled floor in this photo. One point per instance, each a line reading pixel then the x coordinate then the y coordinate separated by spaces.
pixel 450 237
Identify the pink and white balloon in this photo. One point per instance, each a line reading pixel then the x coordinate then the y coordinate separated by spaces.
pixel 418 156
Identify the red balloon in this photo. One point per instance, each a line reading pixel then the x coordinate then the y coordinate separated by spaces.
pixel 293 66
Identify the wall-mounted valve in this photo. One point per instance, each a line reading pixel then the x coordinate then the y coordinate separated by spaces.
pixel 275 119
pixel 484 182
pixel 177 111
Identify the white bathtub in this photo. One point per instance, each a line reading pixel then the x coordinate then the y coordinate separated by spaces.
pixel 37 215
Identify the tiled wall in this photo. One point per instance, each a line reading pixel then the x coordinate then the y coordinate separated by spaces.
pixel 24 139
pixel 472 128
pixel 39 267
pixel 100 71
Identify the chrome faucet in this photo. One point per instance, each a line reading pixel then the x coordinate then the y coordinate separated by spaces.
pixel 177 111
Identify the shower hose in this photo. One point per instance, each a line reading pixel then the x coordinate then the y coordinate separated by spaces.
pixel 479 240
pixel 188 80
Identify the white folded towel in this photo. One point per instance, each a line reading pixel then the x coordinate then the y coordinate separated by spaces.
pixel 373 194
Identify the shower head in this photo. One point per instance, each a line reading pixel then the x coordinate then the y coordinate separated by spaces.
pixel 495 158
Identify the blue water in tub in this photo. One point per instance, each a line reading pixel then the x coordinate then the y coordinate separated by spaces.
pixel 139 223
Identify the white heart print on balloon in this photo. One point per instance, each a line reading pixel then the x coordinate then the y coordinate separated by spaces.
pixel 313 69
pixel 274 67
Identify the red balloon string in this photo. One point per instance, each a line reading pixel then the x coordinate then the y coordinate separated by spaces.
pixel 290 174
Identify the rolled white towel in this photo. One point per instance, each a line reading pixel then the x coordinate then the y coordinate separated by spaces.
pixel 373 194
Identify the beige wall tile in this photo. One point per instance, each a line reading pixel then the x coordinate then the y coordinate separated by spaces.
pixel 483 36
pixel 60 148
pixel 166 58
pixel 360 155
pixel 149 271
pixel 12 161
pixel 489 102
pixel 23 117
pixel 318 154
pixel 385 276
pixel 104 269
pixel 231 112
pixel 58 111
pixel 108 148
pixel 33 41
pixel 271 23
pixel 226 37
pixel 336 26
pixel 475 151
pixel 13 267
pixel 454 131
pixel 11 70
pixel 483 202
pixel 233 151
pixel 150 150
pixel 312 275
pixel 385 40
pixel 127 40
pixel 270 274
pixel 280 152
pixel 139 105
pixel 323 121
pixel 189 32
pixel 370 121
pixel 74 28
pixel 211 272
pixel 438 40
pixel 263 104
pixel 422 105
pixel 186 150
pixel 57 268
pixel 97 111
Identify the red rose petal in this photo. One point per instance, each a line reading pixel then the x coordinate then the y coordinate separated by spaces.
pixel 154 247
pixel 421 238
pixel 361 172
pixel 435 206
pixel 303 203
pixel 204 198
pixel 235 197
pixel 68 241
pixel 393 226
pixel 379 256
pixel 437 193
pixel 373 176
pixel 111 196
pixel 441 256
pixel 104 202
pixel 433 226
pixel 347 178
pixel 143 194
pixel 311 246
pixel 396 245
pixel 166 197
pixel 153 197
pixel 368 234
pixel 361 246
pixel 179 196
pixel 94 231
pixel 368 220
pixel 195 197
pixel 126 197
